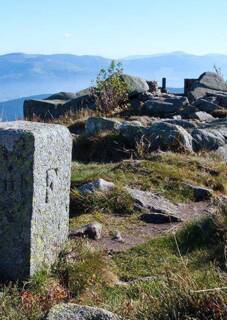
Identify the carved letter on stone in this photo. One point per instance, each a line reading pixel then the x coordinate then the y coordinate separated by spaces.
pixel 51 181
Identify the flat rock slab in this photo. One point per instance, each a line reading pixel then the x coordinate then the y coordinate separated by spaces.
pixel 152 202
pixel 71 311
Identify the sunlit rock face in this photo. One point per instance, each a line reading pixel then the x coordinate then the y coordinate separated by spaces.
pixel 34 196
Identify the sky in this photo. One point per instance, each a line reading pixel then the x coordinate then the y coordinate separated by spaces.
pixel 113 28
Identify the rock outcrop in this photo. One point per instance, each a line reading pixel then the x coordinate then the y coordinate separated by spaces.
pixel 208 82
pixel 135 85
pixel 95 125
pixel 58 105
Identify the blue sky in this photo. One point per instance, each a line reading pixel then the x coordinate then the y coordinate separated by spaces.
pixel 113 28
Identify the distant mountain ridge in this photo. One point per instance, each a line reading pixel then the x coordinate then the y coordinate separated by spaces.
pixel 32 74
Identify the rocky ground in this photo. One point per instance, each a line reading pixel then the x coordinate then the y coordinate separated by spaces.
pixel 148 209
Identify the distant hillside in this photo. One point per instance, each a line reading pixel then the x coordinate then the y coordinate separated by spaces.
pixel 31 74
pixel 13 109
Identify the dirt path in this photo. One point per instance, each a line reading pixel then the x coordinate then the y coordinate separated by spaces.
pixel 135 232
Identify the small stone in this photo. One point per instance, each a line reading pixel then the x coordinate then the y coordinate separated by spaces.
pixel 91 230
pixel 100 185
pixel 117 237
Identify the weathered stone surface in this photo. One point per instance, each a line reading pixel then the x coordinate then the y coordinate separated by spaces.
pixel 165 105
pixel 160 136
pixel 43 109
pixel 91 230
pixel 34 195
pixel 145 200
pixel 219 124
pixel 97 185
pixel 221 99
pixel 206 105
pixel 165 136
pixel 96 124
pixel 182 123
pixel 65 96
pixel 59 104
pixel 161 108
pixel 208 82
pixel 71 311
pixel 132 130
pixel 202 116
pixel 154 208
pixel 207 140
pixel 135 85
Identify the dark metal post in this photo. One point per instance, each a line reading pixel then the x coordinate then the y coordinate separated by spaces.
pixel 164 85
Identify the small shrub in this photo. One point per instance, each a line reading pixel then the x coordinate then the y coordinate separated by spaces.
pixel 110 91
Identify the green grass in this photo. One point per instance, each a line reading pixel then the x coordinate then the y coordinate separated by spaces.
pixel 165 173
pixel 117 201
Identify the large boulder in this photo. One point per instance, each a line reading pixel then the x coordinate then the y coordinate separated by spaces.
pixel 43 109
pixel 132 130
pixel 135 85
pixel 63 96
pixel 207 140
pixel 202 116
pixel 71 311
pixel 208 82
pixel 207 105
pixel 221 99
pixel 165 106
pixel 160 136
pixel 169 137
pixel 218 124
pixel 58 105
pixel 182 123
pixel 95 125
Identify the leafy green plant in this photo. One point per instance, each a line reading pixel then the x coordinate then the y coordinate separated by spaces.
pixel 110 90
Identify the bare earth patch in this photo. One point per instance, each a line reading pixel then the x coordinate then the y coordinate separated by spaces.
pixel 133 230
